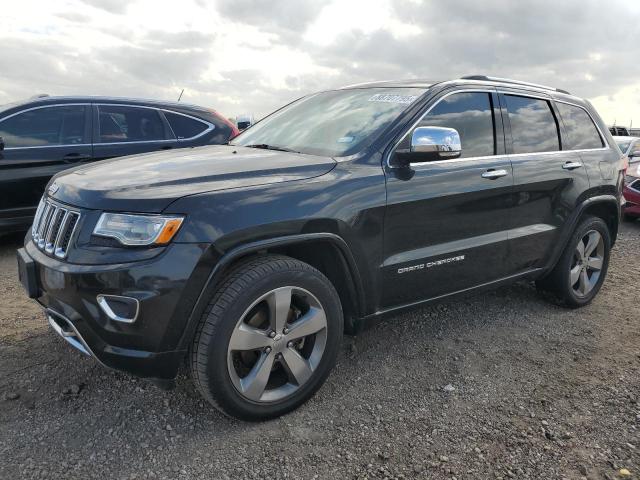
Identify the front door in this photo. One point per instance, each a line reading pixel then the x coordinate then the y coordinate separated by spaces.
pixel 39 143
pixel 446 220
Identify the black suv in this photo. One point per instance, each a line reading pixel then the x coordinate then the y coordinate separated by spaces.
pixel 251 260
pixel 42 136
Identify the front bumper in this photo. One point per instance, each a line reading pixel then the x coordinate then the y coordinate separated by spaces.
pixel 151 346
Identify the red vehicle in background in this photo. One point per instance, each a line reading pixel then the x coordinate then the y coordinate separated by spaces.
pixel 631 192
pixel 630 146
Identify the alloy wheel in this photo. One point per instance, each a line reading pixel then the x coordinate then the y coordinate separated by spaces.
pixel 588 259
pixel 277 344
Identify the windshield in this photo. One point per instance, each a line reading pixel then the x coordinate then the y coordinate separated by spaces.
pixel 334 124
pixel 624 145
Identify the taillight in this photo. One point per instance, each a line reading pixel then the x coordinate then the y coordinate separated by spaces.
pixel 234 130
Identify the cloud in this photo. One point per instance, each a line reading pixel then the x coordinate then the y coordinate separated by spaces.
pixel 283 17
pixel 575 44
pixel 161 58
pixel 74 17
pixel 252 56
pixel 117 7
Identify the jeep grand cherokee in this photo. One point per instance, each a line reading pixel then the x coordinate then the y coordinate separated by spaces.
pixel 250 260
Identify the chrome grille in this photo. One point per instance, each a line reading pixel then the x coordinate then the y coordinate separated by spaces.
pixel 53 228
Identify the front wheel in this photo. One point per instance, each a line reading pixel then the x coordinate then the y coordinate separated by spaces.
pixel 268 339
pixel 581 270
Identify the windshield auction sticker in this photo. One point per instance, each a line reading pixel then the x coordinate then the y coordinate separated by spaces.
pixel 389 98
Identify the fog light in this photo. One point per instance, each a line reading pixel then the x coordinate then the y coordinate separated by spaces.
pixel 119 308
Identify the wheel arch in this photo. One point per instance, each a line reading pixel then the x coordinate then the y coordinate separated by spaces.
pixel 606 207
pixel 327 252
pixel 608 210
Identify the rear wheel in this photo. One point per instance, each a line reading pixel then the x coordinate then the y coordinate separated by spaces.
pixel 268 339
pixel 581 270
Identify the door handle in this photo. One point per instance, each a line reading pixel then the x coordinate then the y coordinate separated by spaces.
pixel 571 165
pixel 493 174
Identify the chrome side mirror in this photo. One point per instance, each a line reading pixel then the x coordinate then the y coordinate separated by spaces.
pixel 434 143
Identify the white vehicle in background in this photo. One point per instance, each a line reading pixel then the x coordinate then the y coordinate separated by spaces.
pixel 244 121
pixel 630 146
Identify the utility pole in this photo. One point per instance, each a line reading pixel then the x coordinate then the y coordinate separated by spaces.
pixel 181 94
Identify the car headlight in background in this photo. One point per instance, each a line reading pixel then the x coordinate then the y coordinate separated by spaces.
pixel 137 230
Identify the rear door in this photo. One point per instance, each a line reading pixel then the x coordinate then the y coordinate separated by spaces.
pixel 128 130
pixel 39 142
pixel 548 180
pixel 446 220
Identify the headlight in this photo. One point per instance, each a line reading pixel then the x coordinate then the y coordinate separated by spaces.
pixel 135 230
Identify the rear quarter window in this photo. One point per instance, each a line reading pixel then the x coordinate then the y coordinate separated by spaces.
pixel 581 131
pixel 185 127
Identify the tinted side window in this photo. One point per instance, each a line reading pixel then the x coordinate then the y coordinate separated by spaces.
pixel 471 114
pixel 581 131
pixel 62 125
pixel 533 125
pixel 129 124
pixel 185 127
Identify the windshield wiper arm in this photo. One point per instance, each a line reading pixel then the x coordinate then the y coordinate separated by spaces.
pixel 264 146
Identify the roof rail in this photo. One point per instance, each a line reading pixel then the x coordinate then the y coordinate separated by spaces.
pixel 515 82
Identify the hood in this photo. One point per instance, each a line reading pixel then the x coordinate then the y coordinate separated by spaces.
pixel 150 182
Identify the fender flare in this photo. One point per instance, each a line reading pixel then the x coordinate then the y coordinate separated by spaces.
pixel 572 223
pixel 234 254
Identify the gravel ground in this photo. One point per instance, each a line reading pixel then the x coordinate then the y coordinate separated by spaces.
pixel 499 385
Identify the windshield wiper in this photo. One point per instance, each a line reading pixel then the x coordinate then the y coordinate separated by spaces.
pixel 264 146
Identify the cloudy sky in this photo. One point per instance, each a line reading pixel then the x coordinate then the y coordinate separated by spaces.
pixel 251 56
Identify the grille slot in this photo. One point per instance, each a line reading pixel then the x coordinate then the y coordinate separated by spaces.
pixel 65 238
pixel 53 228
pixel 36 220
pixel 56 222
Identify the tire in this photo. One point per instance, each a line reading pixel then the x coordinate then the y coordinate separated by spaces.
pixel 594 263
pixel 241 338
